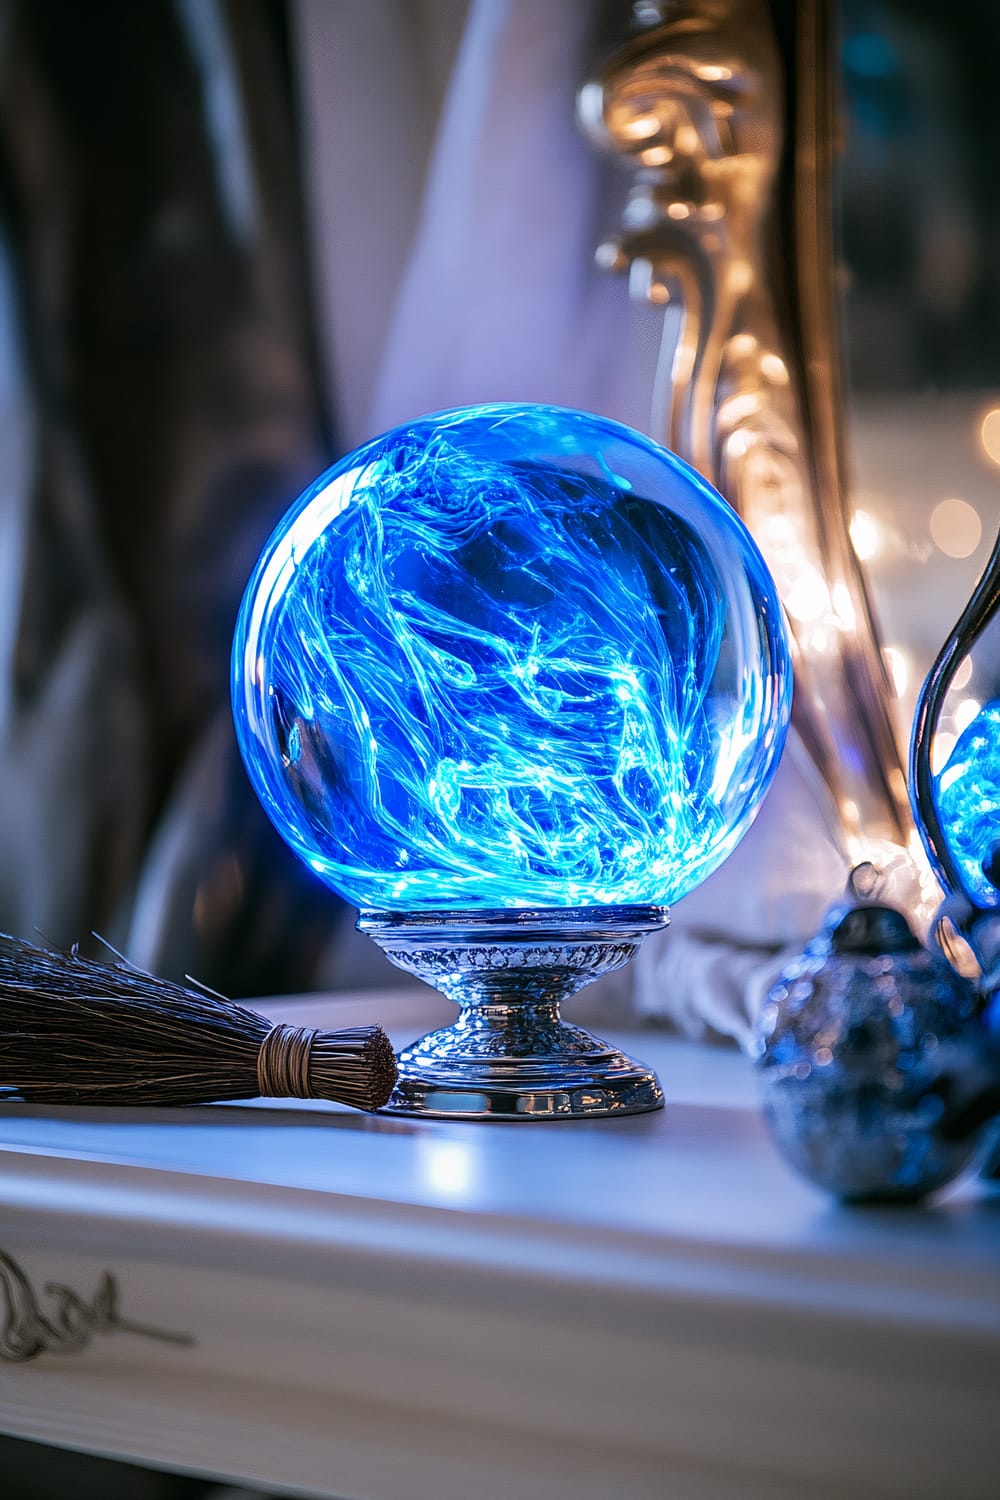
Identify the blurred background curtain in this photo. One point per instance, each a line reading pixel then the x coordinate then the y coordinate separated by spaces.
pixel 160 408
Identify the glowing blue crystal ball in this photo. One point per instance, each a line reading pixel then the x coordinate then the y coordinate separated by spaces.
pixel 968 803
pixel 511 656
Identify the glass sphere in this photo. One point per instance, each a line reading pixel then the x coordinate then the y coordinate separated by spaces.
pixel 511 656
pixel 968 798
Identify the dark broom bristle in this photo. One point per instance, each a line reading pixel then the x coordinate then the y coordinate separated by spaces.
pixel 73 1031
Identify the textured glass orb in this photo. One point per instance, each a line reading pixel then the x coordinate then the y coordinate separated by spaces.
pixel 511 656
pixel 968 799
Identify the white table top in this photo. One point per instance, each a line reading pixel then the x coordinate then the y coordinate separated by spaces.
pixel 648 1306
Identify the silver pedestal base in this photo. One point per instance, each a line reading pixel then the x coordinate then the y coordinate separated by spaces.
pixel 510 1056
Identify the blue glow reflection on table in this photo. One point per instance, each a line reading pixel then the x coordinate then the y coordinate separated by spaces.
pixel 507 657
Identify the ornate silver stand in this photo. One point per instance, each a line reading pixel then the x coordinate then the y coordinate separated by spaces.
pixel 509 1056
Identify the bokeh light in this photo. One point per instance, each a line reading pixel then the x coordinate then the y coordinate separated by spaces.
pixel 989 434
pixel 866 535
pixel 956 529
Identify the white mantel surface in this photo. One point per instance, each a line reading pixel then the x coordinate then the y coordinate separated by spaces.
pixel 651 1308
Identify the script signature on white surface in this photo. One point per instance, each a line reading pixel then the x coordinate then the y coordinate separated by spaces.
pixel 68 1321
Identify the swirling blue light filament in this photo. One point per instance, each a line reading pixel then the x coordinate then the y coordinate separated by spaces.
pixel 477 668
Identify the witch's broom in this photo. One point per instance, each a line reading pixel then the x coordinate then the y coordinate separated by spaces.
pixel 77 1032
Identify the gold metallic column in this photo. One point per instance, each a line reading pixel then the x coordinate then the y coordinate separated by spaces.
pixel 727 123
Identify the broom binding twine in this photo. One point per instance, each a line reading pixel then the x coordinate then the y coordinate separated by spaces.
pixel 283 1063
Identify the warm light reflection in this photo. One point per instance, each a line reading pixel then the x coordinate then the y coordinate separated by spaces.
pixel 942 745
pixel 808 598
pixel 773 368
pixel 898 664
pixel 777 530
pixel 866 535
pixel 956 529
pixel 843 606
pixel 736 409
pixel 742 345
pixel 641 128
pixel 819 640
pixel 963 676
pixel 989 434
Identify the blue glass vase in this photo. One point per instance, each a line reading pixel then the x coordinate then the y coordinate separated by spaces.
pixel 503 672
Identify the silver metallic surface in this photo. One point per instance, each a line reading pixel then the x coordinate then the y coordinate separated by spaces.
pixel 849 1046
pixel 509 1055
pixel 729 221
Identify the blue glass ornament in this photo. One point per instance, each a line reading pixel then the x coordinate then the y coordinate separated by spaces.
pixel 850 1044
pixel 511 656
